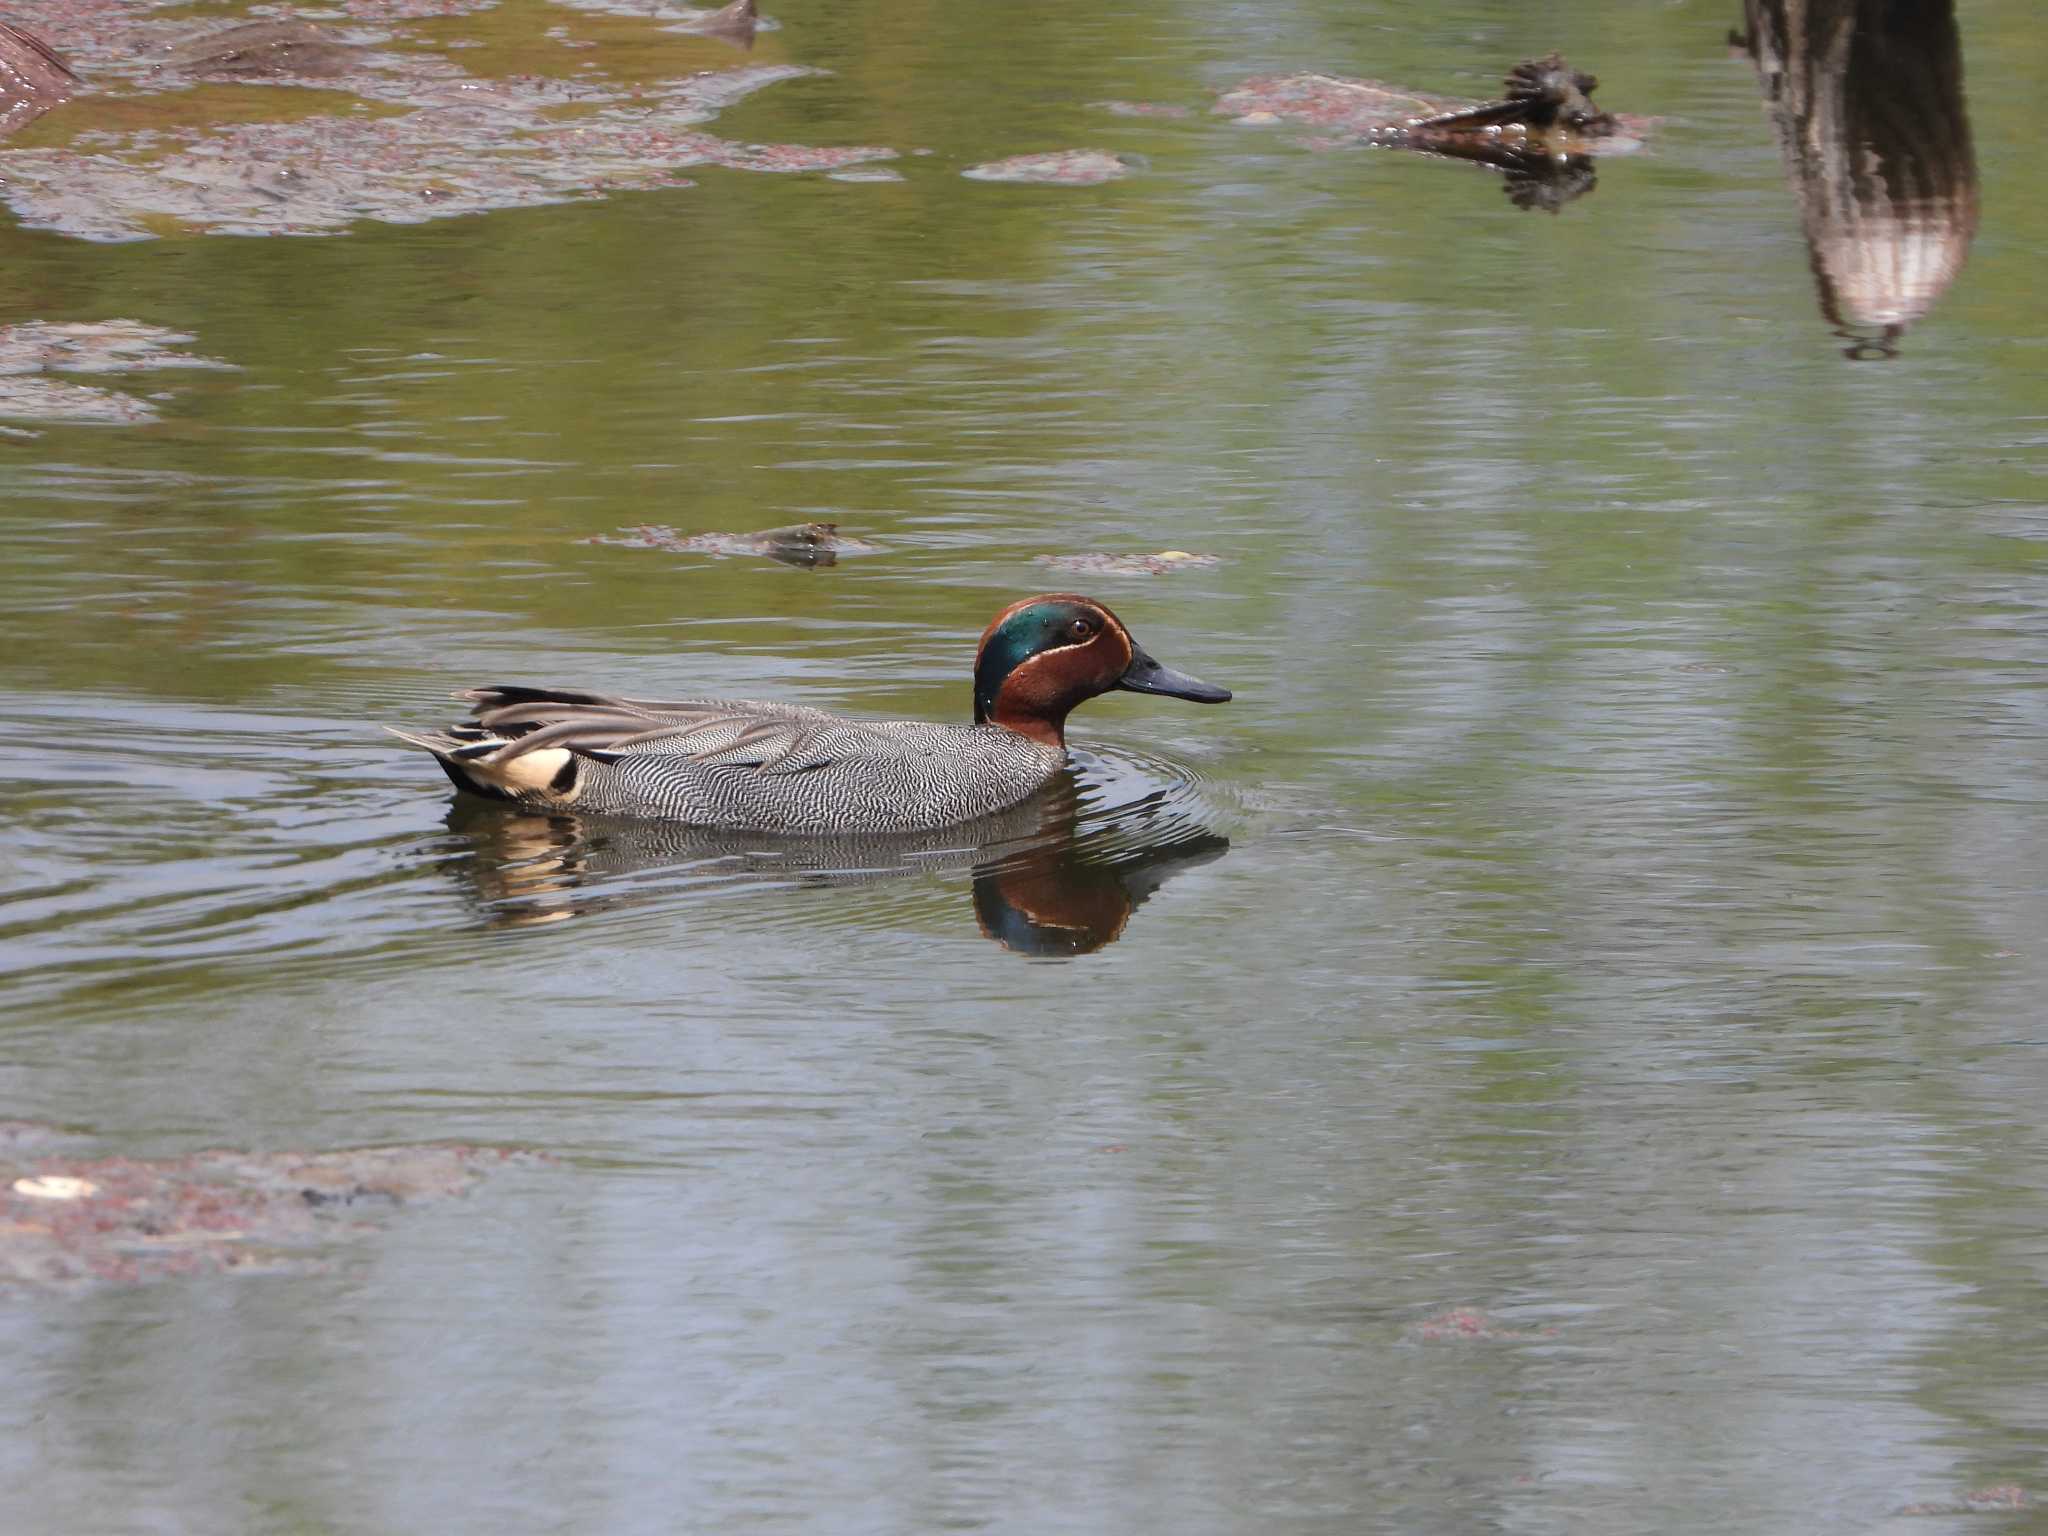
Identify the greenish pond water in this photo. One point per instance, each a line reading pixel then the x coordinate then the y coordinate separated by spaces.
pixel 1612 904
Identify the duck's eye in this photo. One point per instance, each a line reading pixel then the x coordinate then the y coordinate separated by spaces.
pixel 1081 629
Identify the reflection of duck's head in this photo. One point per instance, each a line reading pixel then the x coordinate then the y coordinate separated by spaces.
pixel 1061 900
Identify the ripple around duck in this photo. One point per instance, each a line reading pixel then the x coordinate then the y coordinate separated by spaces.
pixel 154 846
pixel 1057 875
pixel 161 850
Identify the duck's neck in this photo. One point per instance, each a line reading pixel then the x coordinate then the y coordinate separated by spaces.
pixel 1032 697
pixel 1047 731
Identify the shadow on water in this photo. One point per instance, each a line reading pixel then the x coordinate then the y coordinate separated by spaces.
pixel 1057 876
pixel 1867 98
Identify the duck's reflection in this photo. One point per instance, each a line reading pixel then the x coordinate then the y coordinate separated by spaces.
pixel 1041 885
pixel 1867 98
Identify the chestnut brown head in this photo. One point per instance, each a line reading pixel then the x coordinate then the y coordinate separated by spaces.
pixel 1042 656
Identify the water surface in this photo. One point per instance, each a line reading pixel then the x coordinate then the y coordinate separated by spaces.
pixel 1612 902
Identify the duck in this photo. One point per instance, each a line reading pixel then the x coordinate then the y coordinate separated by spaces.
pixel 749 765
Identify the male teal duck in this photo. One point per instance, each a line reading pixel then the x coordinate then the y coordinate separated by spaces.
pixel 744 765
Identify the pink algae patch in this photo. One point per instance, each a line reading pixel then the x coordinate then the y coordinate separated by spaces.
pixel 443 142
pixel 470 146
pixel 70 1222
pixel 34 77
pixel 413 10
pixel 30 352
pixel 1327 101
pixel 1470 1324
pixel 1062 168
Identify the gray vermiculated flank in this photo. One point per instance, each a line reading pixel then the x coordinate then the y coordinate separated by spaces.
pixel 747 765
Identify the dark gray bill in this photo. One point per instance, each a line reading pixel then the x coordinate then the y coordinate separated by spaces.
pixel 1144 675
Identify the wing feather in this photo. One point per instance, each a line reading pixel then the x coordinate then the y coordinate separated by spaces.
pixel 738 733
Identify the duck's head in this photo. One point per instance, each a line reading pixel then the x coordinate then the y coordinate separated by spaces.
pixel 1042 656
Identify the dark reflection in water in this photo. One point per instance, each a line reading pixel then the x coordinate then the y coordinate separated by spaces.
pixel 1867 97
pixel 1057 876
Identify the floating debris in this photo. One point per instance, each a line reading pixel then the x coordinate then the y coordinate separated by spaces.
pixel 1542 96
pixel 73 1222
pixel 33 78
pixel 1061 168
pixel 1469 1323
pixel 1543 132
pixel 30 350
pixel 865 173
pixel 1544 93
pixel 798 544
pixel 1128 565
pixel 1141 109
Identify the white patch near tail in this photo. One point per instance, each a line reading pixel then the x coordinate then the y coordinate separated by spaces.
pixel 529 773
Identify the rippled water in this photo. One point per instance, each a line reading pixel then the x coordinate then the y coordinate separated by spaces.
pixel 1611 905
